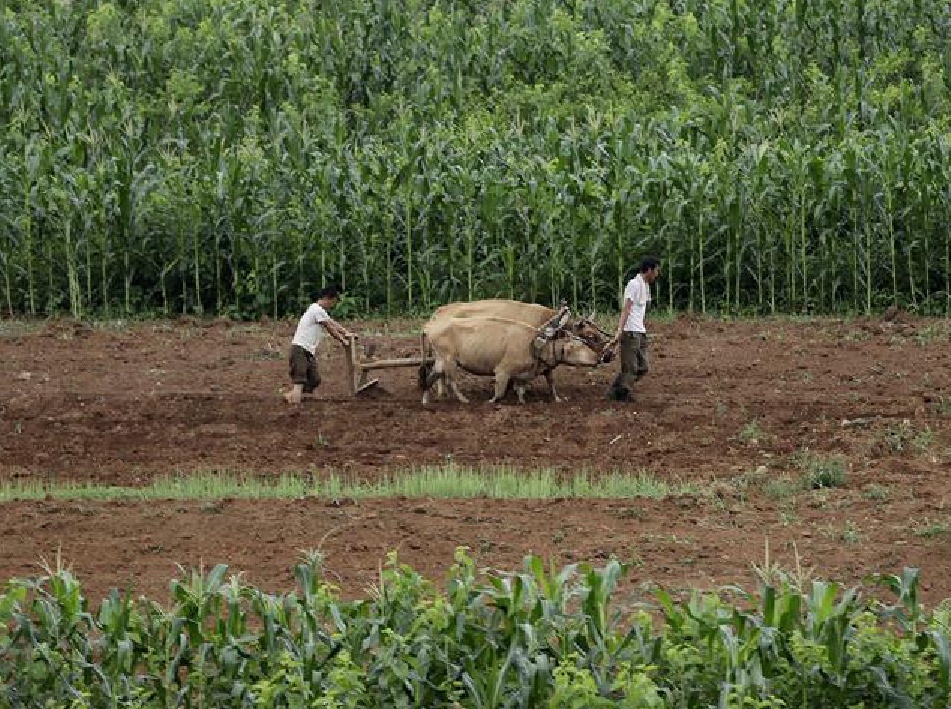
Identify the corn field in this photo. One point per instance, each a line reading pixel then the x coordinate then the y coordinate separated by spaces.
pixel 541 637
pixel 186 156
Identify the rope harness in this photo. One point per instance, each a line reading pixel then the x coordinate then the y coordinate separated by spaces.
pixel 545 339
pixel 544 351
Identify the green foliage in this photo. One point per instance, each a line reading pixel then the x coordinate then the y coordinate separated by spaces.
pixel 818 472
pixel 537 637
pixel 233 157
pixel 822 471
pixel 901 438
pixel 751 433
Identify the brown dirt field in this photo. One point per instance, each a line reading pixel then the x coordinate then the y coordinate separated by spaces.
pixel 123 405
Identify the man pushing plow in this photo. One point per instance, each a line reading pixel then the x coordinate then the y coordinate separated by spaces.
pixel 302 359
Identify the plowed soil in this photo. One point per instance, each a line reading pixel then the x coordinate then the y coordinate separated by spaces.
pixel 731 406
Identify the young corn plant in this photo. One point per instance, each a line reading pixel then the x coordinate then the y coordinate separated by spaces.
pixel 535 637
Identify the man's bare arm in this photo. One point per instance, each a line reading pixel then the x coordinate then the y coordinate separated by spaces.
pixel 337 331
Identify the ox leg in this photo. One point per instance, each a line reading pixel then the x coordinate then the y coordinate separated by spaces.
pixel 550 378
pixel 427 351
pixel 436 374
pixel 520 390
pixel 501 386
pixel 439 379
pixel 455 390
pixel 449 376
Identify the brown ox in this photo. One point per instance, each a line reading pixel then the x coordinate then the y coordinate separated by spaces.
pixel 493 346
pixel 531 314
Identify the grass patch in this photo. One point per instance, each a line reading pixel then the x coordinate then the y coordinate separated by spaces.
pixel 442 482
pixel 818 473
pixel 876 492
pixel 942 406
pixel 923 440
pixel 822 471
pixel 782 487
pixel 937 332
pixel 851 534
pixel 266 354
pixel 752 433
pixel 16 328
pixel 929 529
pixel 902 437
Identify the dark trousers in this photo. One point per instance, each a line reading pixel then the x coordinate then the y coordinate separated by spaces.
pixel 633 361
pixel 302 366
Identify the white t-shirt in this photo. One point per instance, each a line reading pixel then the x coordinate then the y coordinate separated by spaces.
pixel 309 329
pixel 639 293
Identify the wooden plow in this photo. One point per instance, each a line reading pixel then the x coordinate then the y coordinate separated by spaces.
pixel 358 370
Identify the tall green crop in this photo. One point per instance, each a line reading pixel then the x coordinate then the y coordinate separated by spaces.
pixel 198 157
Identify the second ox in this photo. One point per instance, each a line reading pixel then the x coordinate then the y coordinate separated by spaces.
pixel 528 313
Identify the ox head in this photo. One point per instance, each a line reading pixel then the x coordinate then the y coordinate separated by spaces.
pixel 587 330
pixel 567 341
pixel 570 349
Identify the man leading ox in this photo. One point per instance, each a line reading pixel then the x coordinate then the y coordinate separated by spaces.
pixel 631 332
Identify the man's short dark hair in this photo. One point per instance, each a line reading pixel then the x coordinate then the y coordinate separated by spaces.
pixel 329 292
pixel 648 263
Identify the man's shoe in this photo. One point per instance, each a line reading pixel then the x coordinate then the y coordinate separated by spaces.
pixel 619 394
